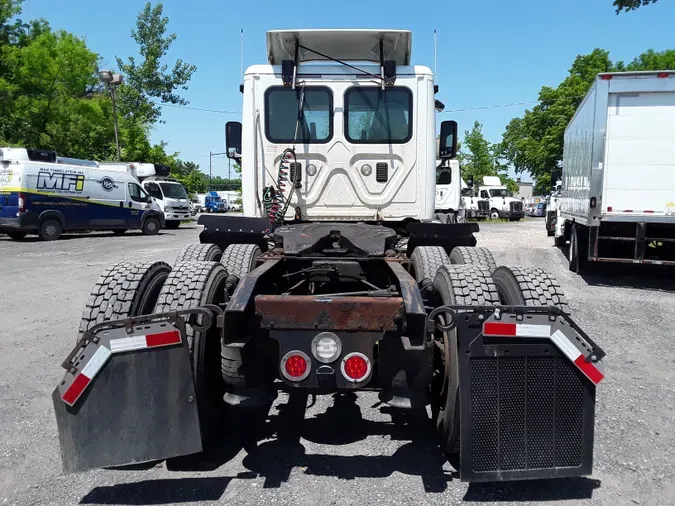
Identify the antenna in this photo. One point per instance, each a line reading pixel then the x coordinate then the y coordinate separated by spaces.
pixel 241 70
pixel 435 65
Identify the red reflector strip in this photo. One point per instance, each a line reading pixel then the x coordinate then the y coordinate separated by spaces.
pixel 499 329
pixel 88 372
pixel 516 330
pixel 589 369
pixel 163 338
pixel 571 352
pixel 662 74
pixel 647 211
pixel 143 342
pixel 606 78
pixel 627 210
pixel 75 389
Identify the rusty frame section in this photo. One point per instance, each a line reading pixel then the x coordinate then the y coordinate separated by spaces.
pixel 298 312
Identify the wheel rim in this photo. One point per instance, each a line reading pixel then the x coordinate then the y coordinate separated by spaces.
pixel 494 215
pixel 151 226
pixel 50 229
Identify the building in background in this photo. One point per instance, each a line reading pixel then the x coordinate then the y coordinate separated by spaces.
pixel 524 189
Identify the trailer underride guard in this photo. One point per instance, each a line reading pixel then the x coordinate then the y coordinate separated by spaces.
pixel 332 285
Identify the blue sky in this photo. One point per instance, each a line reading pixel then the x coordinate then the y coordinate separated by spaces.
pixel 490 52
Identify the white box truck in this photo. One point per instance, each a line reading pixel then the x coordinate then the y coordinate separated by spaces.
pixel 618 195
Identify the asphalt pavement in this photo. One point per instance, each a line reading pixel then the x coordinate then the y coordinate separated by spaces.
pixel 336 451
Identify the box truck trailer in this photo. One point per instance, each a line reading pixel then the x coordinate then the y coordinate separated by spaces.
pixel 618 195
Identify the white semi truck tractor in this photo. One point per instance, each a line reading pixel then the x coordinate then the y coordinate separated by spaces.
pixel 335 281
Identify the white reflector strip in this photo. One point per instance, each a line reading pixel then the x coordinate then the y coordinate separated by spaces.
pixel 98 360
pixel 128 344
pixel 565 345
pixel 525 330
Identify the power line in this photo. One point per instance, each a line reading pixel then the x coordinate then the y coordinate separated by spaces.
pixel 217 111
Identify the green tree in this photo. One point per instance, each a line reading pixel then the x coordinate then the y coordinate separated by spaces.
pixel 148 79
pixel 631 5
pixel 534 142
pixel 479 158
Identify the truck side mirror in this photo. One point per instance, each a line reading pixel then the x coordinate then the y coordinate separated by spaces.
pixel 469 181
pixel 233 139
pixel 448 140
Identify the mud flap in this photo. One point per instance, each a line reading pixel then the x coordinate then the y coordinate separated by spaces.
pixel 128 395
pixel 527 381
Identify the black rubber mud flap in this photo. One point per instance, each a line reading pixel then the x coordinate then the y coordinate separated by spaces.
pixel 128 398
pixel 528 378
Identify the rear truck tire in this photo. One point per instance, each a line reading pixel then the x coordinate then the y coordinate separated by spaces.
pixel 464 255
pixel 124 290
pixel 550 233
pixel 494 214
pixel 193 284
pixel 240 259
pixel 528 286
pixel 150 226
pixel 426 260
pixel 17 235
pixel 578 253
pixel 199 253
pixel 242 368
pixel 172 225
pixel 119 231
pixel 50 229
pixel 468 285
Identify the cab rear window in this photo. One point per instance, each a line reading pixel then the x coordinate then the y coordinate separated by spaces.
pixel 283 124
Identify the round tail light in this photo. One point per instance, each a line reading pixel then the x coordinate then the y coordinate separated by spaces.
pixel 295 365
pixel 356 367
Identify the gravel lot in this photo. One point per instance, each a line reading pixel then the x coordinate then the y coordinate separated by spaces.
pixel 342 453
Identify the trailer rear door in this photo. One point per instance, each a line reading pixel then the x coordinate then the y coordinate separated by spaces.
pixel 640 154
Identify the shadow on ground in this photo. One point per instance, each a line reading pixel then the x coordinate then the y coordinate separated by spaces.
pixel 274 448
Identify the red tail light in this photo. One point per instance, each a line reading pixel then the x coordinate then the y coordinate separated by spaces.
pixel 21 203
pixel 606 78
pixel 356 367
pixel 295 365
pixel 662 74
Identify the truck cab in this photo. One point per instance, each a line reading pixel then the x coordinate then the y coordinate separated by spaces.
pixel 349 142
pixel 213 203
pixel 502 203
pixel 448 190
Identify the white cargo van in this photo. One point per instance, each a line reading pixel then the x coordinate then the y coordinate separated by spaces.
pixel 168 192
pixel 43 197
pixel 618 194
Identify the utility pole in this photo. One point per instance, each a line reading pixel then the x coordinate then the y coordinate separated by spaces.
pixel 113 81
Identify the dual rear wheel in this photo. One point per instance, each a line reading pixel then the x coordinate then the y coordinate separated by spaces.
pixel 472 279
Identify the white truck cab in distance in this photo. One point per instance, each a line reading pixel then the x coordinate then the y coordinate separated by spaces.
pixel 169 194
pixel 502 203
pixel 363 136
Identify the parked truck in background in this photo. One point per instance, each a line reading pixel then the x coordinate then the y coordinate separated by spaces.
pixel 618 179
pixel 448 204
pixel 168 192
pixel 212 202
pixel 502 202
pixel 552 204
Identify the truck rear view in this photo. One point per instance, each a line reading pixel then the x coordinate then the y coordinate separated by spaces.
pixel 618 198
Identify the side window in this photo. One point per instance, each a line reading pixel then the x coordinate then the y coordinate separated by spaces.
pixel 443 177
pixel 137 194
pixel 154 190
pixel 484 194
